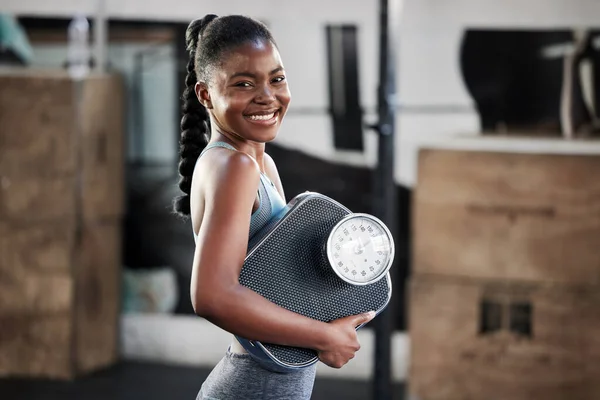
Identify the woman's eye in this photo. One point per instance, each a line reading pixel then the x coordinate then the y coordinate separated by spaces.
pixel 243 84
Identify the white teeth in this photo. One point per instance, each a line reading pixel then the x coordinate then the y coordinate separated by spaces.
pixel 262 117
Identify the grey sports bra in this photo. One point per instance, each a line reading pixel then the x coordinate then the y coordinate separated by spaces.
pixel 270 201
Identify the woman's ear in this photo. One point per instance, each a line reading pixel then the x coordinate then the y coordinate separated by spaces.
pixel 202 94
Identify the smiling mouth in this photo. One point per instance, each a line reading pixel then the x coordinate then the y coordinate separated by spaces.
pixel 263 119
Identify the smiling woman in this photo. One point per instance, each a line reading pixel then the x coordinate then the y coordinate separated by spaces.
pixel 235 101
pixel 249 86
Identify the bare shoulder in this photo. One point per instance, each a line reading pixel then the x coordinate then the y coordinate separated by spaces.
pixel 223 166
pixel 223 179
pixel 237 164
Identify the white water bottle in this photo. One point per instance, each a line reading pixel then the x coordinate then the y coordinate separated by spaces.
pixel 79 47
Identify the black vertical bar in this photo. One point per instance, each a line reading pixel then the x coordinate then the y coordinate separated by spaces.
pixel 344 93
pixel 385 195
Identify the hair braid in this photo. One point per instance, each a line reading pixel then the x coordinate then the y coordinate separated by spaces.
pixel 195 123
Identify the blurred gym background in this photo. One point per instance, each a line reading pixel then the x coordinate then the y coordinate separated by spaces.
pixel 494 160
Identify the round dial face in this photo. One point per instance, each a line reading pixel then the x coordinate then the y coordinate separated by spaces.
pixel 360 249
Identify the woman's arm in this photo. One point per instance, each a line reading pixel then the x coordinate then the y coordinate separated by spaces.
pixel 222 241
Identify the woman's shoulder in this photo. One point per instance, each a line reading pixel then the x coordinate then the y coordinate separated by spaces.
pixel 223 165
pixel 223 177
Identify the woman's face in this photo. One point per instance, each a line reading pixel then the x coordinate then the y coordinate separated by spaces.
pixel 248 93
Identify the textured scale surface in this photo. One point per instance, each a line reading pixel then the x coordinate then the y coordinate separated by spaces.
pixel 289 267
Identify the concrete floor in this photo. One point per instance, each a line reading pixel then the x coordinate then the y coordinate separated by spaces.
pixel 147 381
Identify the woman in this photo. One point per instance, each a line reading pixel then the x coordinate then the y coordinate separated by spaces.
pixel 236 98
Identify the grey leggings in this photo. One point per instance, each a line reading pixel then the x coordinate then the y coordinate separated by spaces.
pixel 239 377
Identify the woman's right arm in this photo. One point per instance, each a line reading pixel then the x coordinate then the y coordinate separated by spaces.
pixel 229 194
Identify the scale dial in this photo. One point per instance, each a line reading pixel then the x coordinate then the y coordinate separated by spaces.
pixel 360 249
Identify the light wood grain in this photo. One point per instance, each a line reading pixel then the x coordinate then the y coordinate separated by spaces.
pixel 58 281
pixel 61 205
pixel 44 156
pixel 36 347
pixel 98 290
pixel 451 359
pixel 508 216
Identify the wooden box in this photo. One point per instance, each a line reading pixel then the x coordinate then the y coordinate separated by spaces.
pixel 491 340
pixel 59 299
pixel 484 214
pixel 55 148
pixel 61 203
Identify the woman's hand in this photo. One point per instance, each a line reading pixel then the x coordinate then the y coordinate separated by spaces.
pixel 343 343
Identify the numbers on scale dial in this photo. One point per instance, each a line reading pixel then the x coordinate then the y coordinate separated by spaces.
pixel 362 244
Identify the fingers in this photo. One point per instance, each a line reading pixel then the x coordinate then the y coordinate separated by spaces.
pixel 336 362
pixel 362 318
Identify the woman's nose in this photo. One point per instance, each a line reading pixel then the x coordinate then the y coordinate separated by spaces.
pixel 265 95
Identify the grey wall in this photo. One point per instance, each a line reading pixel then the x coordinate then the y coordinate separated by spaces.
pixel 435 104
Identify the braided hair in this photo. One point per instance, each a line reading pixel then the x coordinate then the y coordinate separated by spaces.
pixel 207 40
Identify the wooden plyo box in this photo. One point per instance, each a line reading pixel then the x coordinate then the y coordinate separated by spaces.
pixel 494 340
pixel 47 152
pixel 61 206
pixel 494 215
pixel 59 299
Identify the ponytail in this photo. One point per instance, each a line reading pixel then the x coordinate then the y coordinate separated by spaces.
pixel 195 123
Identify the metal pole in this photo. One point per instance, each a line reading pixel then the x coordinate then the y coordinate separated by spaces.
pixel 385 189
pixel 100 35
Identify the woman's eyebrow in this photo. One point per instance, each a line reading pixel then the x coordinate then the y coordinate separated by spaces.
pixel 253 76
pixel 243 73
